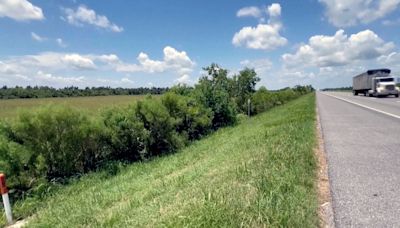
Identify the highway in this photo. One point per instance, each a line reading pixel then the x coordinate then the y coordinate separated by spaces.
pixel 362 143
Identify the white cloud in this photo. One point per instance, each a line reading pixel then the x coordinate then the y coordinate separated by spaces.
pixel 344 13
pixel 274 10
pixel 184 79
pixel 20 10
pixel 173 60
pixel 37 37
pixel 390 59
pixel 47 61
pixel 123 82
pixel 250 11
pixel 61 43
pixel 111 58
pixel 338 50
pixel 79 62
pixel 263 36
pixel 83 15
pixel 261 66
pixel 51 79
pixel 46 68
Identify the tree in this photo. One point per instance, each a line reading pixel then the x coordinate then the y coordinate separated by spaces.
pixel 243 87
pixel 213 92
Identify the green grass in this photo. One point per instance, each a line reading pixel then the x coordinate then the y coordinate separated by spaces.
pixel 10 107
pixel 260 173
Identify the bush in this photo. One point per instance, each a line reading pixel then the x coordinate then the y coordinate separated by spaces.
pixel 125 134
pixel 262 100
pixel 59 141
pixel 161 127
pixel 191 119
pixel 14 161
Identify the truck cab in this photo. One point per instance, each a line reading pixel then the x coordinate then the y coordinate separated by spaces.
pixel 384 86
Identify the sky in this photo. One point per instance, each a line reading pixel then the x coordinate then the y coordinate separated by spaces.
pixel 145 43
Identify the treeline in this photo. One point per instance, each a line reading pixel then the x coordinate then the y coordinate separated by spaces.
pixel 57 142
pixel 72 91
pixel 349 88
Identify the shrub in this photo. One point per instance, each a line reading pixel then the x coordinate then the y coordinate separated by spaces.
pixel 62 141
pixel 161 127
pixel 263 100
pixel 192 119
pixel 125 134
pixel 14 161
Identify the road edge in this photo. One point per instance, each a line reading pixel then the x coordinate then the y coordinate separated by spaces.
pixel 325 210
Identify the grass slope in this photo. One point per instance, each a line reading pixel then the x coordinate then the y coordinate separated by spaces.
pixel 9 108
pixel 258 173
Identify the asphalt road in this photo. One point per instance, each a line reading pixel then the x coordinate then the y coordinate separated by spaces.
pixel 362 142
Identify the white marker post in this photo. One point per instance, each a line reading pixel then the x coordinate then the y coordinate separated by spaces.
pixel 6 199
pixel 248 106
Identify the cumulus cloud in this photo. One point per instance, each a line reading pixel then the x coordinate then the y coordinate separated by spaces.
pixel 274 10
pixel 250 11
pixel 47 61
pixel 263 36
pixel 37 37
pixel 51 79
pixel 20 10
pixel 79 62
pixel 261 66
pixel 83 15
pixel 338 50
pixel 184 79
pixel 173 60
pixel 47 67
pixel 344 13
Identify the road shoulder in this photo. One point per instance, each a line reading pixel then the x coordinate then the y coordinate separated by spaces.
pixel 325 211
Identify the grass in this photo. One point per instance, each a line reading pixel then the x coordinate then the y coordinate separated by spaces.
pixel 10 107
pixel 260 173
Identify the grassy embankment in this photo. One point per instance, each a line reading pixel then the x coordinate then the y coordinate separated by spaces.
pixel 259 173
pixel 9 108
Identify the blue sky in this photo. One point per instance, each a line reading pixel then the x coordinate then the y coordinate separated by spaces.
pixel 162 43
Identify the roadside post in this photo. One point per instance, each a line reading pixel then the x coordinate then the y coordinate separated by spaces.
pixel 248 107
pixel 6 199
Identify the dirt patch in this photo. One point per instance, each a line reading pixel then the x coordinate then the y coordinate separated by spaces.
pixel 325 211
pixel 18 224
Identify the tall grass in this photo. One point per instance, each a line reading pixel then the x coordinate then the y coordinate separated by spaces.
pixel 258 173
pixel 9 108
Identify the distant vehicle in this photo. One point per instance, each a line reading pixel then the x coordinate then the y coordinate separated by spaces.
pixel 377 82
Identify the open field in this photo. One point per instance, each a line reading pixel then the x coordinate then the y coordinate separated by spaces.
pixel 259 173
pixel 8 108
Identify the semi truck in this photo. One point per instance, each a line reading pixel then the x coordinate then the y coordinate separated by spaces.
pixel 376 82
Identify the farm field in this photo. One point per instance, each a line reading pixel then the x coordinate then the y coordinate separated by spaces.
pixel 258 173
pixel 9 107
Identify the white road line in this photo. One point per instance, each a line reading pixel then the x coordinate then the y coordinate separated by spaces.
pixel 364 106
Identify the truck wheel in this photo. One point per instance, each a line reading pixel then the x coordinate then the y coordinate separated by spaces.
pixel 396 95
pixel 354 93
pixel 371 95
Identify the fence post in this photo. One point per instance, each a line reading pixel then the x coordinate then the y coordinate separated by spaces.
pixel 6 199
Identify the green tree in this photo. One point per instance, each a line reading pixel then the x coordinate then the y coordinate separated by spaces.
pixel 244 85
pixel 212 91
